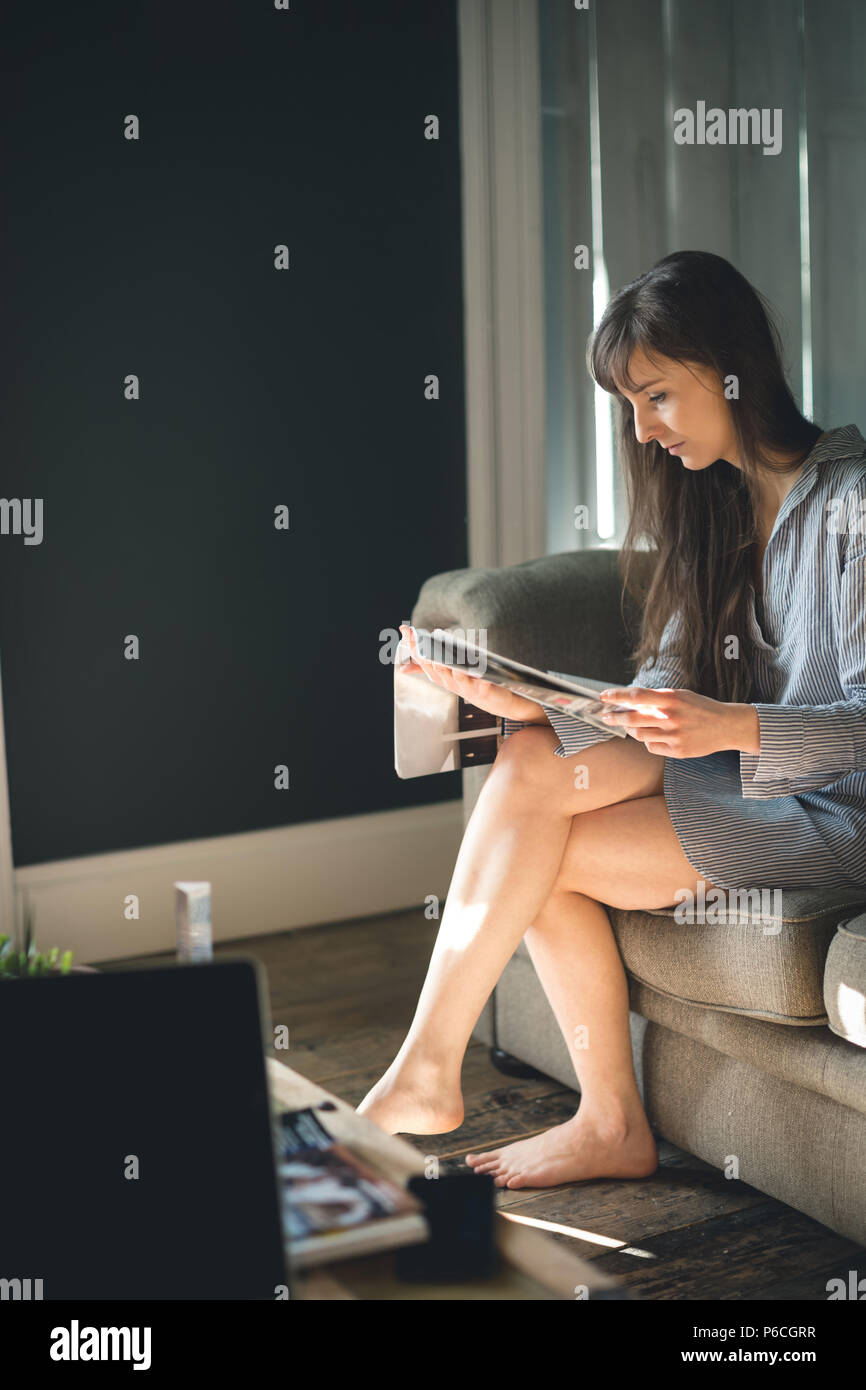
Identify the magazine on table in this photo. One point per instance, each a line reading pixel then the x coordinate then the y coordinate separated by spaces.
pixel 334 1204
pixel 435 730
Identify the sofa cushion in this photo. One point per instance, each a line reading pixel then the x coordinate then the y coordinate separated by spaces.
pixel 753 960
pixel 788 1141
pixel 813 1058
pixel 845 981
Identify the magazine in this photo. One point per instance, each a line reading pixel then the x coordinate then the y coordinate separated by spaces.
pixel 549 688
pixel 335 1205
pixel 435 730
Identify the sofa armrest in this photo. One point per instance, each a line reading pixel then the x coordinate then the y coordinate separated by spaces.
pixel 845 981
pixel 558 612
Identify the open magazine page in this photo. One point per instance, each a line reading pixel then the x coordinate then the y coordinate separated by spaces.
pixel 579 706
pixel 555 692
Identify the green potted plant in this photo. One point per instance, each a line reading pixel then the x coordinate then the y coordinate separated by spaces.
pixel 24 961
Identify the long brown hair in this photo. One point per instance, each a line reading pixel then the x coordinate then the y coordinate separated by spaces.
pixel 695 307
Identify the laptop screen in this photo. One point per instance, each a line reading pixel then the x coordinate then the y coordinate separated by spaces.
pixel 136 1149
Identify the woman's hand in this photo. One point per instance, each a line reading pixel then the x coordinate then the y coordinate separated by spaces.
pixel 681 724
pixel 484 694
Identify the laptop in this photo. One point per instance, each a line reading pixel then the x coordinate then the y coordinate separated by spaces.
pixel 137 1156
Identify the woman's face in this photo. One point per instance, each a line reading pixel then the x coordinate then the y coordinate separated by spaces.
pixel 684 406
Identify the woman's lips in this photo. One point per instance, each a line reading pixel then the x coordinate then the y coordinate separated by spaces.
pixel 672 448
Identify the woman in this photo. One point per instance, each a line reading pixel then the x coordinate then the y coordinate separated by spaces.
pixel 745 765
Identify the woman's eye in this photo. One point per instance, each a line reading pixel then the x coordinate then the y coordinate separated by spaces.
pixel 660 397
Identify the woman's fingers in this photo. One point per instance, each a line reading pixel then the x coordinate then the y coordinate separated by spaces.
pixel 458 682
pixel 638 718
pixel 425 666
pixel 434 670
pixel 439 674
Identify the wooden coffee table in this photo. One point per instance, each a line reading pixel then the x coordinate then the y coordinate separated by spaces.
pixel 532 1266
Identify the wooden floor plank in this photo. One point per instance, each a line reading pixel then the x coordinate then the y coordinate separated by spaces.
pixel 741 1255
pixel 800 1287
pixel 635 1211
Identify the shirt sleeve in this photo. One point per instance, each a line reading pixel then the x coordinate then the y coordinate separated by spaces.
pixel 667 673
pixel 574 735
pixel 804 747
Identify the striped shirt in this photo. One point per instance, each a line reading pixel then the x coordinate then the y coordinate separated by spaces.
pixel 810 679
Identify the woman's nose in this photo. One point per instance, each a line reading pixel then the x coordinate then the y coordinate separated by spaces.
pixel 643 433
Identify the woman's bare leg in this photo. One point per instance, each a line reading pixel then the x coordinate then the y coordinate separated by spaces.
pixel 612 853
pixel 506 869
pixel 577 960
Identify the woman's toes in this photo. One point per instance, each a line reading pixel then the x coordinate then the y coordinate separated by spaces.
pixel 477 1160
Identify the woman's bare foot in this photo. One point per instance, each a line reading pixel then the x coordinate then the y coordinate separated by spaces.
pixel 581 1148
pixel 420 1104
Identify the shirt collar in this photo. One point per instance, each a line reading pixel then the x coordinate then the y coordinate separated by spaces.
pixel 845 441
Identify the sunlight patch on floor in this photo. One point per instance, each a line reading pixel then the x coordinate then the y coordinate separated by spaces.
pixel 576 1233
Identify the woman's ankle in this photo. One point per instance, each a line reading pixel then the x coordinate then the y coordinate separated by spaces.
pixel 615 1115
pixel 419 1065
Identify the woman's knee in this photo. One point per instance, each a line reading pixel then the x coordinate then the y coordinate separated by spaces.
pixel 529 753
pixel 606 772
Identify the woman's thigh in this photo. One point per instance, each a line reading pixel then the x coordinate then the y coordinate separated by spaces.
pixel 616 769
pixel 627 855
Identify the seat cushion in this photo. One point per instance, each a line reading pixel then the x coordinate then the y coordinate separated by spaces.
pixel 762 960
pixel 812 1058
pixel 845 981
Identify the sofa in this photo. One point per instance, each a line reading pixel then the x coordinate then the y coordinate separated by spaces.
pixel 749 1036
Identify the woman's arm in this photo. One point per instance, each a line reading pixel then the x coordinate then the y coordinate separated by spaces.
pixel 574 734
pixel 803 747
pixel 747 729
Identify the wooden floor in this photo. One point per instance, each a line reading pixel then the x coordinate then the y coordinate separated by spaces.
pixel 347 991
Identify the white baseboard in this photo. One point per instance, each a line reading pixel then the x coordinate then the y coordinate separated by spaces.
pixel 263 881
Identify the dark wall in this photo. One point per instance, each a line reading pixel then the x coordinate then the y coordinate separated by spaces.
pixel 259 387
